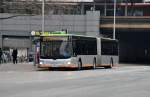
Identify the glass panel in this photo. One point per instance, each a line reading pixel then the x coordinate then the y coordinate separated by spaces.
pixel 109 47
pixel 84 45
pixel 56 49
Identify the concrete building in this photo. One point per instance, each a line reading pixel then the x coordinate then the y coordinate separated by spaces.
pixel 132 24
pixel 16 31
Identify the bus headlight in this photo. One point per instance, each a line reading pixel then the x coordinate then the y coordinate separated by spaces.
pixel 69 63
pixel 41 62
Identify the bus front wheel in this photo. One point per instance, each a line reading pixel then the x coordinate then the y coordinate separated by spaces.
pixel 94 63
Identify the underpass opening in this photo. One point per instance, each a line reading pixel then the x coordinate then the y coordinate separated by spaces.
pixel 133 44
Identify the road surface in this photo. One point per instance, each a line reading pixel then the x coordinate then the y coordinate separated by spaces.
pixel 125 81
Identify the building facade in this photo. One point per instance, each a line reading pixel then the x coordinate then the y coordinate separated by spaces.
pixel 132 23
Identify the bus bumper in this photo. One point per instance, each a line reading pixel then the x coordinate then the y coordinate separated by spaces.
pixel 60 65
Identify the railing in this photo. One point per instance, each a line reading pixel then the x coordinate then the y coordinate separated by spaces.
pixel 140 22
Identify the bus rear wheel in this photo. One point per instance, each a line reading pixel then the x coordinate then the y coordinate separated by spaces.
pixel 111 63
pixel 79 65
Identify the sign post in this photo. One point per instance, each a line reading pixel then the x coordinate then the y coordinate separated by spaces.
pixel 114 26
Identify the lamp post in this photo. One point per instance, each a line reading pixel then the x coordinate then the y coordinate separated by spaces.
pixel 43 17
pixel 114 26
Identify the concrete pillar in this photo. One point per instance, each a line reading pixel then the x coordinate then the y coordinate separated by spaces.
pixel 126 9
pixel 82 8
pixel 1 40
pixel 105 9
pixel 1 29
pixel 92 23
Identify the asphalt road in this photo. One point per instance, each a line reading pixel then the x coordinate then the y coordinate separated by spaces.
pixel 125 81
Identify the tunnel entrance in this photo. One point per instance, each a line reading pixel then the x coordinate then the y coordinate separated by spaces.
pixel 134 44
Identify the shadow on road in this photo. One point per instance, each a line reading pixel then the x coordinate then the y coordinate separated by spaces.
pixel 67 69
pixel 134 64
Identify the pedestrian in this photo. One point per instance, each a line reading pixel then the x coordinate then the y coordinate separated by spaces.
pixel 14 55
pixel 1 53
pixel 4 57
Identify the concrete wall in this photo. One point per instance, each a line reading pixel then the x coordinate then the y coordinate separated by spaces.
pixel 15 25
pixel 74 23
pixel 16 42
pixel 92 23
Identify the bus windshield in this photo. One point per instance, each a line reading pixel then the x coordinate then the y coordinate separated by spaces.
pixel 56 49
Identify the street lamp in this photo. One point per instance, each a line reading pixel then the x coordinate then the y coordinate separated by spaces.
pixel 114 26
pixel 43 17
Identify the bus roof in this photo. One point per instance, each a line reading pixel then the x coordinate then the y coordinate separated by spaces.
pixel 105 38
pixel 63 33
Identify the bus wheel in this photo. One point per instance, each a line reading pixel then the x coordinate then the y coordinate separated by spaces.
pixel 79 65
pixel 94 63
pixel 111 63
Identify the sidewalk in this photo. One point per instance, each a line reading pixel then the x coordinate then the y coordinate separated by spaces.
pixel 17 67
pixel 134 64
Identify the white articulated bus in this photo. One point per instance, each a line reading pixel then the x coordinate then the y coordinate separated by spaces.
pixel 65 50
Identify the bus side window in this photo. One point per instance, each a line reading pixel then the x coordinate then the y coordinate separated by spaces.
pixel 74 48
pixel 109 48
